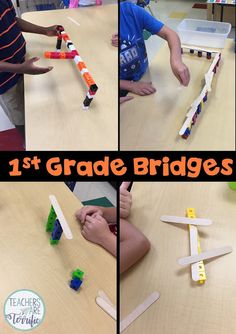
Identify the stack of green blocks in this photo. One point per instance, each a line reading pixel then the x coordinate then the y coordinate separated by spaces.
pixel 51 220
pixel 77 279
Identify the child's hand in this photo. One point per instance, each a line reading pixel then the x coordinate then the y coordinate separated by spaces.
pixel 51 31
pixel 142 88
pixel 125 200
pixel 125 99
pixel 96 229
pixel 115 40
pixel 181 72
pixel 28 67
pixel 88 210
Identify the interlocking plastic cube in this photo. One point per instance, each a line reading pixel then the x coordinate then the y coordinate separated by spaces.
pixel 78 274
pixel 75 284
pixel 56 233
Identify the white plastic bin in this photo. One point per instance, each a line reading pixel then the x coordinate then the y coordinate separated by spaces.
pixel 204 33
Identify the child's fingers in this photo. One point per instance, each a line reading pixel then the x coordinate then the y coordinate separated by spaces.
pixel 179 77
pixel 97 213
pixel 41 70
pixel 83 215
pixel 125 185
pixel 124 205
pixel 85 228
pixel 88 211
pixel 151 89
pixel 147 91
pixel 187 76
pixel 97 216
pixel 79 215
pixel 84 232
pixel 184 77
pixel 141 93
pixel 89 219
pixel 126 198
pixel 100 219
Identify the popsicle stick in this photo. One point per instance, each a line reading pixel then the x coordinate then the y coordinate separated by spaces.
pixel 188 121
pixel 106 307
pixel 193 233
pixel 139 310
pixel 61 217
pixel 185 220
pixel 197 269
pixel 105 297
pixel 200 97
pixel 208 80
pixel 217 57
pixel 205 255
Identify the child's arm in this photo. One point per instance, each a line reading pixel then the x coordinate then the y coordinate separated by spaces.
pixel 137 87
pixel 179 69
pixel 96 229
pixel 27 67
pixel 110 214
pixel 26 26
pixel 133 245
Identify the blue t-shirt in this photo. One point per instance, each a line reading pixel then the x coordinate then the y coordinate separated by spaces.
pixel 12 44
pixel 133 54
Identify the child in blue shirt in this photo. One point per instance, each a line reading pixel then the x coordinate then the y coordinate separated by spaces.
pixel 133 55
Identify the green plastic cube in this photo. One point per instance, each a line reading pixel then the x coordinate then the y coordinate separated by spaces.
pixel 78 274
pixel 53 242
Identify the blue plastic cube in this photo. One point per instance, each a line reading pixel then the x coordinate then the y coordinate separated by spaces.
pixel 75 284
pixel 57 231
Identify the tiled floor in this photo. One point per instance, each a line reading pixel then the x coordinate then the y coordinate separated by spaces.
pixel 85 191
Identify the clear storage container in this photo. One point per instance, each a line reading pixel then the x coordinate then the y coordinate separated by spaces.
pixel 204 33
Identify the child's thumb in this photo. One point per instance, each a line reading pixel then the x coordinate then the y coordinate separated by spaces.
pixel 125 185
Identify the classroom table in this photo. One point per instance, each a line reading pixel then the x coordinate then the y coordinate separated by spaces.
pixel 28 261
pixel 153 122
pixel 54 116
pixel 184 306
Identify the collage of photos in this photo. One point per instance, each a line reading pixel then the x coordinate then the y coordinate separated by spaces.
pixel 117 254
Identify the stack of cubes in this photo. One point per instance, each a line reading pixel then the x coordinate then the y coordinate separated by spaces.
pixel 77 279
pixel 54 226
